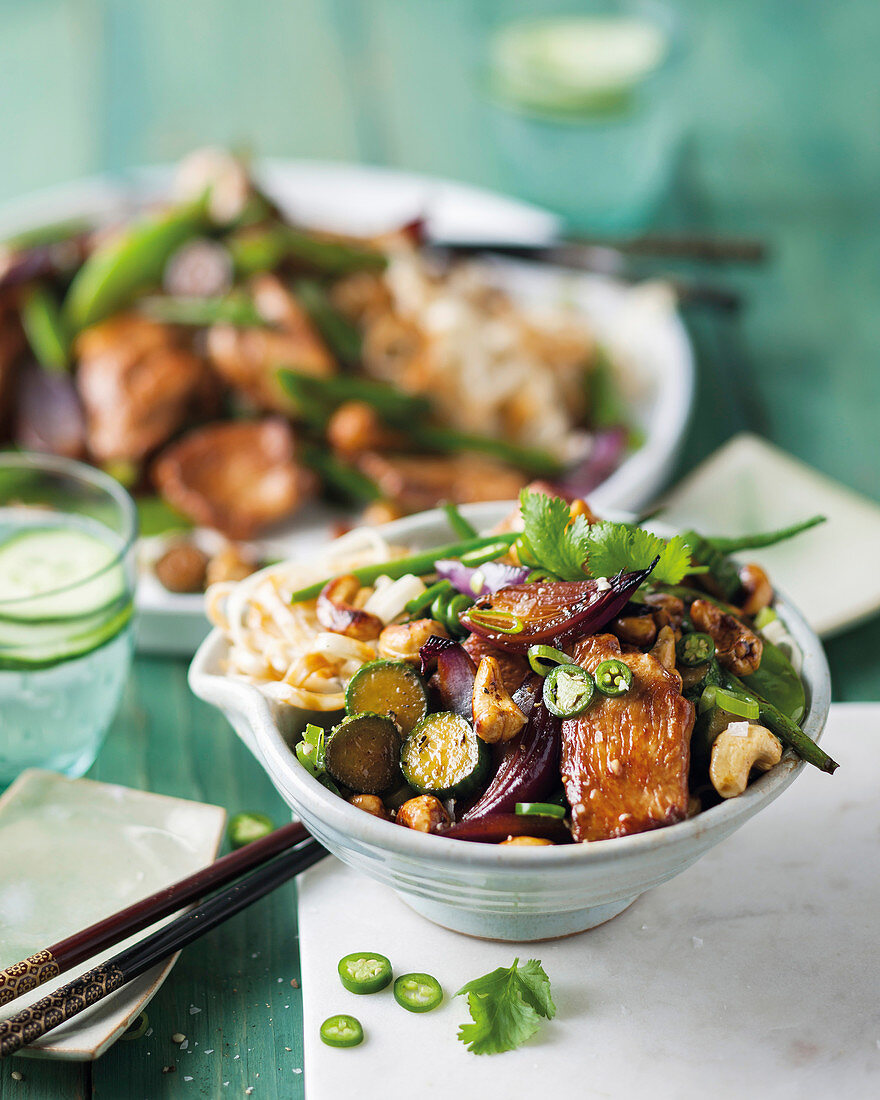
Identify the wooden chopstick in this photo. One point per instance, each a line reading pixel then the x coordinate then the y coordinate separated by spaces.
pixel 60 957
pixel 71 999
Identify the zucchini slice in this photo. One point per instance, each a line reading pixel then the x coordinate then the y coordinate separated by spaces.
pixel 444 757
pixel 392 688
pixel 363 753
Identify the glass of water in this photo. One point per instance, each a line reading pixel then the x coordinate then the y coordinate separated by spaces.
pixel 67 536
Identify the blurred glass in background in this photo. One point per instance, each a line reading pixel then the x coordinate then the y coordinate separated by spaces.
pixel 587 117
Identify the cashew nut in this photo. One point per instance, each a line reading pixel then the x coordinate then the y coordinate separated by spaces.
pixel 337 610
pixel 525 841
pixel 663 649
pixel 424 814
pixel 637 630
pixel 738 648
pixel 737 750
pixel 757 589
pixel 402 641
pixel 496 716
pixel 666 610
pixel 369 803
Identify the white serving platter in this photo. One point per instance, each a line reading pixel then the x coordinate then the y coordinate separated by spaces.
pixel 639 325
pixel 73 851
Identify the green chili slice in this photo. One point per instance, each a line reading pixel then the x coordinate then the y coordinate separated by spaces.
pixel 245 828
pixel 694 649
pixel 364 972
pixel 568 690
pixel 540 809
pixel 448 606
pixel 342 1031
pixel 544 658
pixel 614 677
pixel 501 622
pixel 417 992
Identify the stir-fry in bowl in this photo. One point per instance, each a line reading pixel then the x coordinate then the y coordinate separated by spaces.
pixel 586 691
pixel 216 355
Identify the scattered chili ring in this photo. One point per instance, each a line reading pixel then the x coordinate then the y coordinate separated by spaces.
pixel 364 972
pixel 417 992
pixel 614 677
pixel 342 1031
pixel 245 828
pixel 568 690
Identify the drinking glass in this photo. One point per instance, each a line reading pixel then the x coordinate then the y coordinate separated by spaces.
pixel 67 536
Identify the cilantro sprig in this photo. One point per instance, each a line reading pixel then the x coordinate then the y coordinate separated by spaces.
pixel 572 549
pixel 506 1007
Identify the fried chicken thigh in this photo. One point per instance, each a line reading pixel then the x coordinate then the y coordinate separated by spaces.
pixel 625 760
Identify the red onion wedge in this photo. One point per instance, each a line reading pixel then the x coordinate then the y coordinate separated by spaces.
pixel 552 612
pixel 481 580
pixel 453 674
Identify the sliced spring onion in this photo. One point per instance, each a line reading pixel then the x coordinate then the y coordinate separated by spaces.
pixel 417 992
pixel 614 677
pixel 310 750
pixel 342 1031
pixel 568 690
pixel 540 809
pixel 501 622
pixel 694 649
pixel 245 828
pixel 734 704
pixel 764 617
pixel 544 658
pixel 364 972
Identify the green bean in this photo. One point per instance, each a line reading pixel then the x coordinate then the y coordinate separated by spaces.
pixel 45 328
pixel 232 309
pixel 339 476
pixel 536 462
pixel 341 336
pixel 391 404
pixel 764 538
pixel 127 264
pixel 785 729
pixel 256 250
pixel 419 564
pixel 457 522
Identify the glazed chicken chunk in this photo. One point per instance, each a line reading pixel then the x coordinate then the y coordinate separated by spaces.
pixel 625 760
pixel 238 477
pixel 138 385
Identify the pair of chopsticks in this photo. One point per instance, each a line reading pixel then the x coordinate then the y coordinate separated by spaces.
pixel 271 862
pixel 613 257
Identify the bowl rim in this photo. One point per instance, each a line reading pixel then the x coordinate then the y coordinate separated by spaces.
pixel 272 751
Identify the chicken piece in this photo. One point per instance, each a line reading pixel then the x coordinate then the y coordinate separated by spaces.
pixel 238 477
pixel 248 358
pixel 138 386
pixel 417 482
pixel 514 667
pixel 625 760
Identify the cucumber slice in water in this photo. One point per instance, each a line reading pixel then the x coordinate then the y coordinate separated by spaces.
pixel 57 573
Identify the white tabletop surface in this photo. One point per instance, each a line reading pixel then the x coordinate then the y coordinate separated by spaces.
pixel 754 973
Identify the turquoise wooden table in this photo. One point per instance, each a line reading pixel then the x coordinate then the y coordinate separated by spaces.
pixel 785 110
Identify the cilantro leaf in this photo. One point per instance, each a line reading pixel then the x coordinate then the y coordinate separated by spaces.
pixel 550 540
pixel 619 547
pixel 574 549
pixel 506 1007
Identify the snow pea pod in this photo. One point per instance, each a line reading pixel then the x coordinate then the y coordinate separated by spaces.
pixel 45 329
pixel 133 261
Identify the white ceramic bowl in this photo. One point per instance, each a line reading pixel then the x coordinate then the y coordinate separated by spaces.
pixel 507 893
